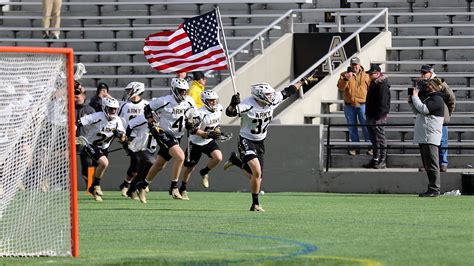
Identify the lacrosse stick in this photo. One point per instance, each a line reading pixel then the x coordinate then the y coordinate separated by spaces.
pixel 225 136
pixel 188 114
pixel 80 71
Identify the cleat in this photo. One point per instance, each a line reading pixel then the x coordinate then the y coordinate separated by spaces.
pixel 124 188
pixel 142 195
pixel 184 195
pixel 44 186
pixel 134 196
pixel 205 180
pixel 98 190
pixel 175 193
pixel 233 158
pixel 94 192
pixel 147 189
pixel 124 191
pixel 256 208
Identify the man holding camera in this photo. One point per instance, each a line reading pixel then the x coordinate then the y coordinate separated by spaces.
pixel 428 105
pixel 427 73
pixel 354 83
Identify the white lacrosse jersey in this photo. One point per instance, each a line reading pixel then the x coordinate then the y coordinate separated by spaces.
pixel 100 130
pixel 172 114
pixel 143 140
pixel 209 120
pixel 255 119
pixel 130 110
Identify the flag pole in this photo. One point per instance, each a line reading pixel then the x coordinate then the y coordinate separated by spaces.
pixel 231 66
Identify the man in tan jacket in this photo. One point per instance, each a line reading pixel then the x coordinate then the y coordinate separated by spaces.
pixel 354 83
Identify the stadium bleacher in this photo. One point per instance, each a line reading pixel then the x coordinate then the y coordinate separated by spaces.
pixel 109 41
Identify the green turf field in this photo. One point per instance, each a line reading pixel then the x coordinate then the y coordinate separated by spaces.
pixel 296 229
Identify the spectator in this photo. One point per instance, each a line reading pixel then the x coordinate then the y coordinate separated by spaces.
pixel 82 109
pixel 51 18
pixel 197 87
pixel 377 108
pixel 428 106
pixel 354 83
pixel 427 72
pixel 102 92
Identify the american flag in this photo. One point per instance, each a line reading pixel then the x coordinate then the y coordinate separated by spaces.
pixel 193 46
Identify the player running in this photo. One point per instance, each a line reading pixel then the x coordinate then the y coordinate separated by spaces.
pixel 173 111
pixel 203 140
pixel 256 113
pixel 103 127
pixel 131 107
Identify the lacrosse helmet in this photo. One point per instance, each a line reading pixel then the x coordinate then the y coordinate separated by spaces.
pixel 210 95
pixel 133 89
pixel 263 93
pixel 110 107
pixel 179 88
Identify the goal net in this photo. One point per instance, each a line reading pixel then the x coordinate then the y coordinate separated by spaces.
pixel 38 206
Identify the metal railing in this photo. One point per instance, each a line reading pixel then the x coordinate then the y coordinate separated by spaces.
pixel 291 14
pixel 453 145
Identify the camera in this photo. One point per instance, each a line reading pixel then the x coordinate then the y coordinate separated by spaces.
pixel 410 91
pixel 422 84
pixel 349 69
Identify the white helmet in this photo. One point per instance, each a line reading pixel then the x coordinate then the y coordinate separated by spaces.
pixel 263 93
pixel 177 86
pixel 110 107
pixel 133 89
pixel 209 95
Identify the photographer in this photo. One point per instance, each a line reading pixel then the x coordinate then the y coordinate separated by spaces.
pixel 427 73
pixel 354 83
pixel 428 106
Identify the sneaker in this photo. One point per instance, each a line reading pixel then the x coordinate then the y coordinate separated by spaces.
pixel 380 165
pixel 431 194
pixel 99 191
pixel 371 164
pixel 94 191
pixel 256 208
pixel 175 193
pixel 142 195
pixel 352 152
pixel 443 168
pixel 54 36
pixel 370 152
pixel 184 195
pixel 205 180
pixel 421 169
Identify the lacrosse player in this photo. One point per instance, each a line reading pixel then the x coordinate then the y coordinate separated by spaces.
pixel 256 113
pixel 173 110
pixel 102 127
pixel 203 140
pixel 143 144
pixel 131 107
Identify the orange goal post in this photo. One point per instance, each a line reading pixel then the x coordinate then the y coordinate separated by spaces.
pixel 38 181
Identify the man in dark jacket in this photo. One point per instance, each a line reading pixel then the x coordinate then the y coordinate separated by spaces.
pixel 376 110
pixel 82 109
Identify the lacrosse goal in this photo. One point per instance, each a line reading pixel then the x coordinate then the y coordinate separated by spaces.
pixel 38 185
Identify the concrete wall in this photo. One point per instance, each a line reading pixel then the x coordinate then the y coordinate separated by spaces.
pixel 292 163
pixel 326 89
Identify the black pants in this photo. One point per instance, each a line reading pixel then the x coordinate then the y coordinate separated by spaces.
pixel 430 159
pixel 376 130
